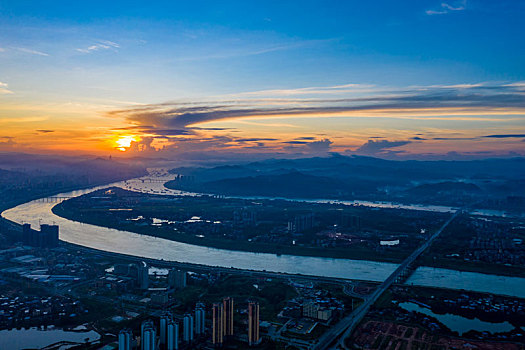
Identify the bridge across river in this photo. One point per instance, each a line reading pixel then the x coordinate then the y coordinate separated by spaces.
pixel 53 199
pixel 346 326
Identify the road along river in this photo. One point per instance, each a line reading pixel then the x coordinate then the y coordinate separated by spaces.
pixel 129 243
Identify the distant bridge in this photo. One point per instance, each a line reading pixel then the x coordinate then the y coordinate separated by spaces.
pixel 53 199
pixel 154 181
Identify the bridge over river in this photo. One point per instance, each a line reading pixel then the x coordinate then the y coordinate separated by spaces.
pixel 345 327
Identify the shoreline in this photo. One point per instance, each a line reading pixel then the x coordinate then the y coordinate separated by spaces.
pixel 509 271
pixel 243 246
pixel 367 258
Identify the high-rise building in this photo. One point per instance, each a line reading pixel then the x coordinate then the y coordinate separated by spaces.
pixel 227 316
pixel 351 221
pixel 310 309
pixel 47 237
pixel 28 234
pixel 50 235
pixel 217 324
pixel 148 336
pixel 143 275
pixel 160 297
pixel 253 323
pixel 199 320
pixel 301 223
pixel 124 269
pixel 172 335
pixel 125 338
pixel 177 279
pixel 164 319
pixel 244 217
pixel 187 328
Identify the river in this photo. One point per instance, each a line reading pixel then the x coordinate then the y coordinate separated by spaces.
pixel 130 243
pixel 35 338
pixel 458 323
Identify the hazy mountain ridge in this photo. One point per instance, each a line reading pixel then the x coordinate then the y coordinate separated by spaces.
pixel 359 177
pixel 445 187
pixel 292 185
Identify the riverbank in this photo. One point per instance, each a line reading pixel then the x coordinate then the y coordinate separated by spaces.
pixel 8 205
pixel 42 194
pixel 9 225
pixel 478 267
pixel 142 247
pixel 119 217
pixel 244 246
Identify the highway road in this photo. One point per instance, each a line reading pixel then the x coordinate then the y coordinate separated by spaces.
pixel 345 327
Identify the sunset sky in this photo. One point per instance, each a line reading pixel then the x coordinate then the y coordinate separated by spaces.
pixel 394 79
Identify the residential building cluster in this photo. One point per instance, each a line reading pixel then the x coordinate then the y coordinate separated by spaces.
pixel 495 242
pixel 57 266
pixel 319 308
pixel 47 237
pixel 188 330
pixel 29 311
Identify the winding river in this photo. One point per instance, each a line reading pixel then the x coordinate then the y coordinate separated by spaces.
pixel 124 242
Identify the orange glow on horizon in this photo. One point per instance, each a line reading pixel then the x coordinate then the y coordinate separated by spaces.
pixel 124 142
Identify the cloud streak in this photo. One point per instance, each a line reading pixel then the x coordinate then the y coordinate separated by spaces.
pixel 4 89
pixel 463 102
pixel 180 129
pixel 31 51
pixel 100 45
pixel 505 136
pixel 381 147
pixel 446 8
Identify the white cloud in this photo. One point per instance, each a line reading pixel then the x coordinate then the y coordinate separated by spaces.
pixel 3 89
pixel 456 8
pixel 100 45
pixel 432 12
pixel 446 8
pixel 31 51
pixel 520 85
pixel 346 88
pixel 246 50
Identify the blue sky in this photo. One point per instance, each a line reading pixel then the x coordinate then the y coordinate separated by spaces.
pixel 69 63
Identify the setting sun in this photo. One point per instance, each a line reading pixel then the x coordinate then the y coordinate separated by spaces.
pixel 124 142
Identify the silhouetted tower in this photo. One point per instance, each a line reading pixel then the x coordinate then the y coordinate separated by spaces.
pixel 143 275
pixel 164 319
pixel 187 328
pixel 253 323
pixel 147 336
pixel 177 279
pixel 217 325
pixel 227 318
pixel 125 337
pixel 199 320
pixel 172 335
